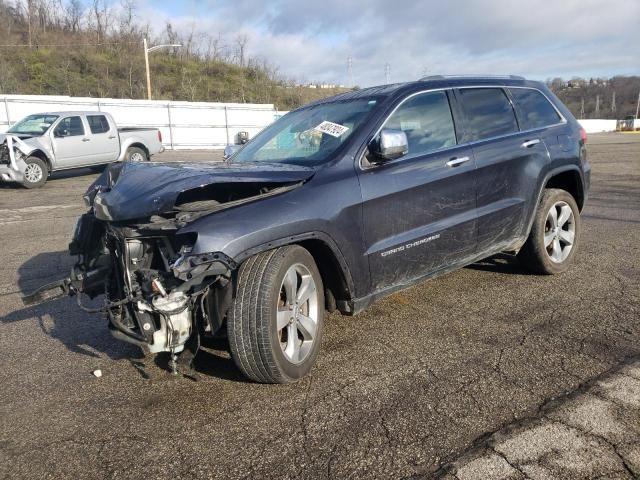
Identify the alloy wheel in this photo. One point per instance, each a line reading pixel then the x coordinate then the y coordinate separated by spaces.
pixel 559 231
pixel 33 173
pixel 298 313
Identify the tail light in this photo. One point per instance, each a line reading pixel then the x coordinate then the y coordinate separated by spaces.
pixel 159 136
pixel 583 135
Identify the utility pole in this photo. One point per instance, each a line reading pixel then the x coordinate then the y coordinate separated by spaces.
pixel 582 108
pixel 148 50
pixel 146 64
pixel 597 103
pixel 638 106
pixel 387 73
pixel 350 70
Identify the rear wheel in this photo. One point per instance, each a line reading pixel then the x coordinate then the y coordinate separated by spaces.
pixel 275 323
pixel 554 235
pixel 135 154
pixel 35 173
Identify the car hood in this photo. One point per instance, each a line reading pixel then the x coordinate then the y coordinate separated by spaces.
pixel 133 190
pixel 21 136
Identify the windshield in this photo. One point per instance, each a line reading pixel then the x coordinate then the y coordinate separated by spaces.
pixel 309 136
pixel 33 124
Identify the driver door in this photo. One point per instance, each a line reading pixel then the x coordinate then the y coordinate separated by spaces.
pixel 419 210
pixel 71 145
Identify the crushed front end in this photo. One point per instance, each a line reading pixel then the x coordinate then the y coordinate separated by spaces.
pixel 156 294
pixel 159 292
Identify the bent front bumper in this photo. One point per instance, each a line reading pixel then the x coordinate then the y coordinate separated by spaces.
pixel 11 174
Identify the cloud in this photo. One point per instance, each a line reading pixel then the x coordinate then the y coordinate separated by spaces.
pixel 312 40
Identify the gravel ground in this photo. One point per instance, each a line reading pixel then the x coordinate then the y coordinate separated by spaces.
pixel 487 365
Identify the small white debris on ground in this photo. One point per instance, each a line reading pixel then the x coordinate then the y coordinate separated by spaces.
pixel 97 373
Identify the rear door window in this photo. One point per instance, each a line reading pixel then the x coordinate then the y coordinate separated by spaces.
pixel 427 122
pixel 98 123
pixel 534 109
pixel 487 113
pixel 70 127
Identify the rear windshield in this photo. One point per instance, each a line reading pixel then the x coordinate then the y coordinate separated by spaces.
pixel 36 124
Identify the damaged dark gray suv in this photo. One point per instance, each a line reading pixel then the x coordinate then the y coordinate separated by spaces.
pixel 333 206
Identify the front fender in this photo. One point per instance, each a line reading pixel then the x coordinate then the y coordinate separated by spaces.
pixel 329 212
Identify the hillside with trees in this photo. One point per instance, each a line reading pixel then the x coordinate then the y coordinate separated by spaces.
pixel 94 49
pixel 612 98
pixel 67 47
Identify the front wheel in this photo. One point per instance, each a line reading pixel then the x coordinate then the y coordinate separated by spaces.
pixel 275 323
pixel 554 235
pixel 35 173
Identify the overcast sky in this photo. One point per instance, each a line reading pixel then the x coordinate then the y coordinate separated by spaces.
pixel 311 40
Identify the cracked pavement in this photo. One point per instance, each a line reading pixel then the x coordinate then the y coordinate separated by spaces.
pixel 487 372
pixel 594 432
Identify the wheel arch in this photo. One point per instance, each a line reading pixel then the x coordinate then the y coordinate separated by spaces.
pixel 42 156
pixel 569 180
pixel 139 145
pixel 335 273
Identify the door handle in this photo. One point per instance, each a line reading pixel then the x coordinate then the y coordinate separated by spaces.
pixel 111 137
pixel 86 139
pixel 530 143
pixel 454 162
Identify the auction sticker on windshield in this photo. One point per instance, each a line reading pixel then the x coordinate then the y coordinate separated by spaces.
pixel 330 128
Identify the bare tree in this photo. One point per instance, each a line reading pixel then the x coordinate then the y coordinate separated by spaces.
pixel 241 47
pixel 127 18
pixel 101 15
pixel 73 14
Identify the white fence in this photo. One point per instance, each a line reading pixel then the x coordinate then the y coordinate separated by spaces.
pixel 595 126
pixel 184 125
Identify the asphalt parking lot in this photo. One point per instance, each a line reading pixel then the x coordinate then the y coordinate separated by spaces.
pixel 424 383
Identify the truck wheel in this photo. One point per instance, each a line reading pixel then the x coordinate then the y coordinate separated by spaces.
pixel 554 235
pixel 135 154
pixel 276 319
pixel 35 174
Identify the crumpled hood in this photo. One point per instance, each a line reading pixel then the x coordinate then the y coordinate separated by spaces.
pixel 134 190
pixel 30 140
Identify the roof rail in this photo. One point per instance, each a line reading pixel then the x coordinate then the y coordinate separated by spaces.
pixel 479 75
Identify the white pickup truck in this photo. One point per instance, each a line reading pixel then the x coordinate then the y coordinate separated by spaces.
pixel 47 142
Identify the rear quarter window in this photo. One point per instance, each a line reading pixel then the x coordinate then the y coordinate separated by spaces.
pixel 534 109
pixel 487 113
pixel 98 123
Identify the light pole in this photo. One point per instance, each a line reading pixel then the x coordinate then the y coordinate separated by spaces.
pixel 146 60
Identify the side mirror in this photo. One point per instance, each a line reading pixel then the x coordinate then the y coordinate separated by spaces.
pixel 61 133
pixel 230 150
pixel 390 144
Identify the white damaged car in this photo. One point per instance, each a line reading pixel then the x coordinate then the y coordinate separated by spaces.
pixel 43 143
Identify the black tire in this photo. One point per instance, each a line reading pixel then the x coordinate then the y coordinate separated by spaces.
pixel 35 164
pixel 254 339
pixel 135 152
pixel 534 255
